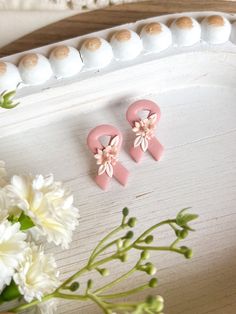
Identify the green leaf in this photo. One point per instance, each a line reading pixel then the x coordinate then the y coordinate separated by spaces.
pixel 182 219
pixel 11 292
pixel 25 222
pixel 7 100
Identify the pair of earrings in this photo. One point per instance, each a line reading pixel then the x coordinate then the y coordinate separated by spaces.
pixel 107 156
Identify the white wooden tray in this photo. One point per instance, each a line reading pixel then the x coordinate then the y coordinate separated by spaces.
pixel 195 89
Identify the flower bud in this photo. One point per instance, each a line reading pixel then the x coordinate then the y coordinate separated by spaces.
pixel 104 272
pixel 74 286
pixel 153 283
pixel 129 235
pixel 132 222
pixel 125 211
pixel 149 239
pixel 183 234
pixel 119 243
pixel 124 257
pixel 90 284
pixel 188 254
pixel 145 255
pixel 126 243
pixel 151 270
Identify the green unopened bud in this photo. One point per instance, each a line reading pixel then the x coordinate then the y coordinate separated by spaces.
pixel 74 286
pixel 90 284
pixel 119 243
pixel 149 239
pixel 132 222
pixel 129 235
pixel 150 299
pixel 151 270
pixel 104 272
pixel 183 234
pixel 184 248
pixel 125 211
pixel 188 254
pixel 145 255
pixel 123 258
pixel 159 306
pixel 177 232
pixel 153 283
pixel 126 243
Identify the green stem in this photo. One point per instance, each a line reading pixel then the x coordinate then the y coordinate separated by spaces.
pixel 125 293
pixel 112 233
pixel 175 242
pixel 117 280
pixel 73 277
pixel 158 248
pixel 103 249
pixel 99 303
pixel 26 306
pixel 145 233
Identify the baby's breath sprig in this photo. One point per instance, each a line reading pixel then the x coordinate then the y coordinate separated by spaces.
pixel 122 241
pixel 7 100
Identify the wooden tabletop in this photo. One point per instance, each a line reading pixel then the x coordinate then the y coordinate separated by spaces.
pixel 88 22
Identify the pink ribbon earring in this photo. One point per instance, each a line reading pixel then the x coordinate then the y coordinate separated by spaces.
pixel 144 129
pixel 107 156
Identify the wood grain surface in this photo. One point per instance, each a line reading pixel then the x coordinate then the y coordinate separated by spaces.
pixel 115 15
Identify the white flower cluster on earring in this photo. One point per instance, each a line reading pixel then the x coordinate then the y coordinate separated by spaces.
pixel 33 208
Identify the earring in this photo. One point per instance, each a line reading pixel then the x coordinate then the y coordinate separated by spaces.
pixel 107 156
pixel 144 129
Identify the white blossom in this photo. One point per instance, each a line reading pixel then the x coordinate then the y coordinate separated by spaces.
pixel 12 246
pixel 48 204
pixel 36 274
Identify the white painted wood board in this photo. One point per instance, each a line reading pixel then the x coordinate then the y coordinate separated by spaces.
pixel 196 92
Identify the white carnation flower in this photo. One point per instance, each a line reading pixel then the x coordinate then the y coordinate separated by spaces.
pixel 48 204
pixel 12 246
pixel 36 274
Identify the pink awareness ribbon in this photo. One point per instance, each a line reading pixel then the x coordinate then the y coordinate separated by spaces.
pixel 145 137
pixel 106 156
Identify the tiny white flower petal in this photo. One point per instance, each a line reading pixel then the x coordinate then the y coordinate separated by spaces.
pixel 115 141
pixel 137 124
pixel 144 144
pixel 109 169
pixel 21 185
pixel 38 182
pixel 101 169
pixel 135 130
pixel 138 141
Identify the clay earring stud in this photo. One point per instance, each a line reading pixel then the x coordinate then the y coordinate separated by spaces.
pixel 107 156
pixel 144 129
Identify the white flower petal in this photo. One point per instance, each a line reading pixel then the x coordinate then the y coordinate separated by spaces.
pixel 12 247
pixel 138 141
pixel 144 144
pixel 36 275
pixel 114 141
pixel 109 169
pixel 101 169
pixel 48 204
